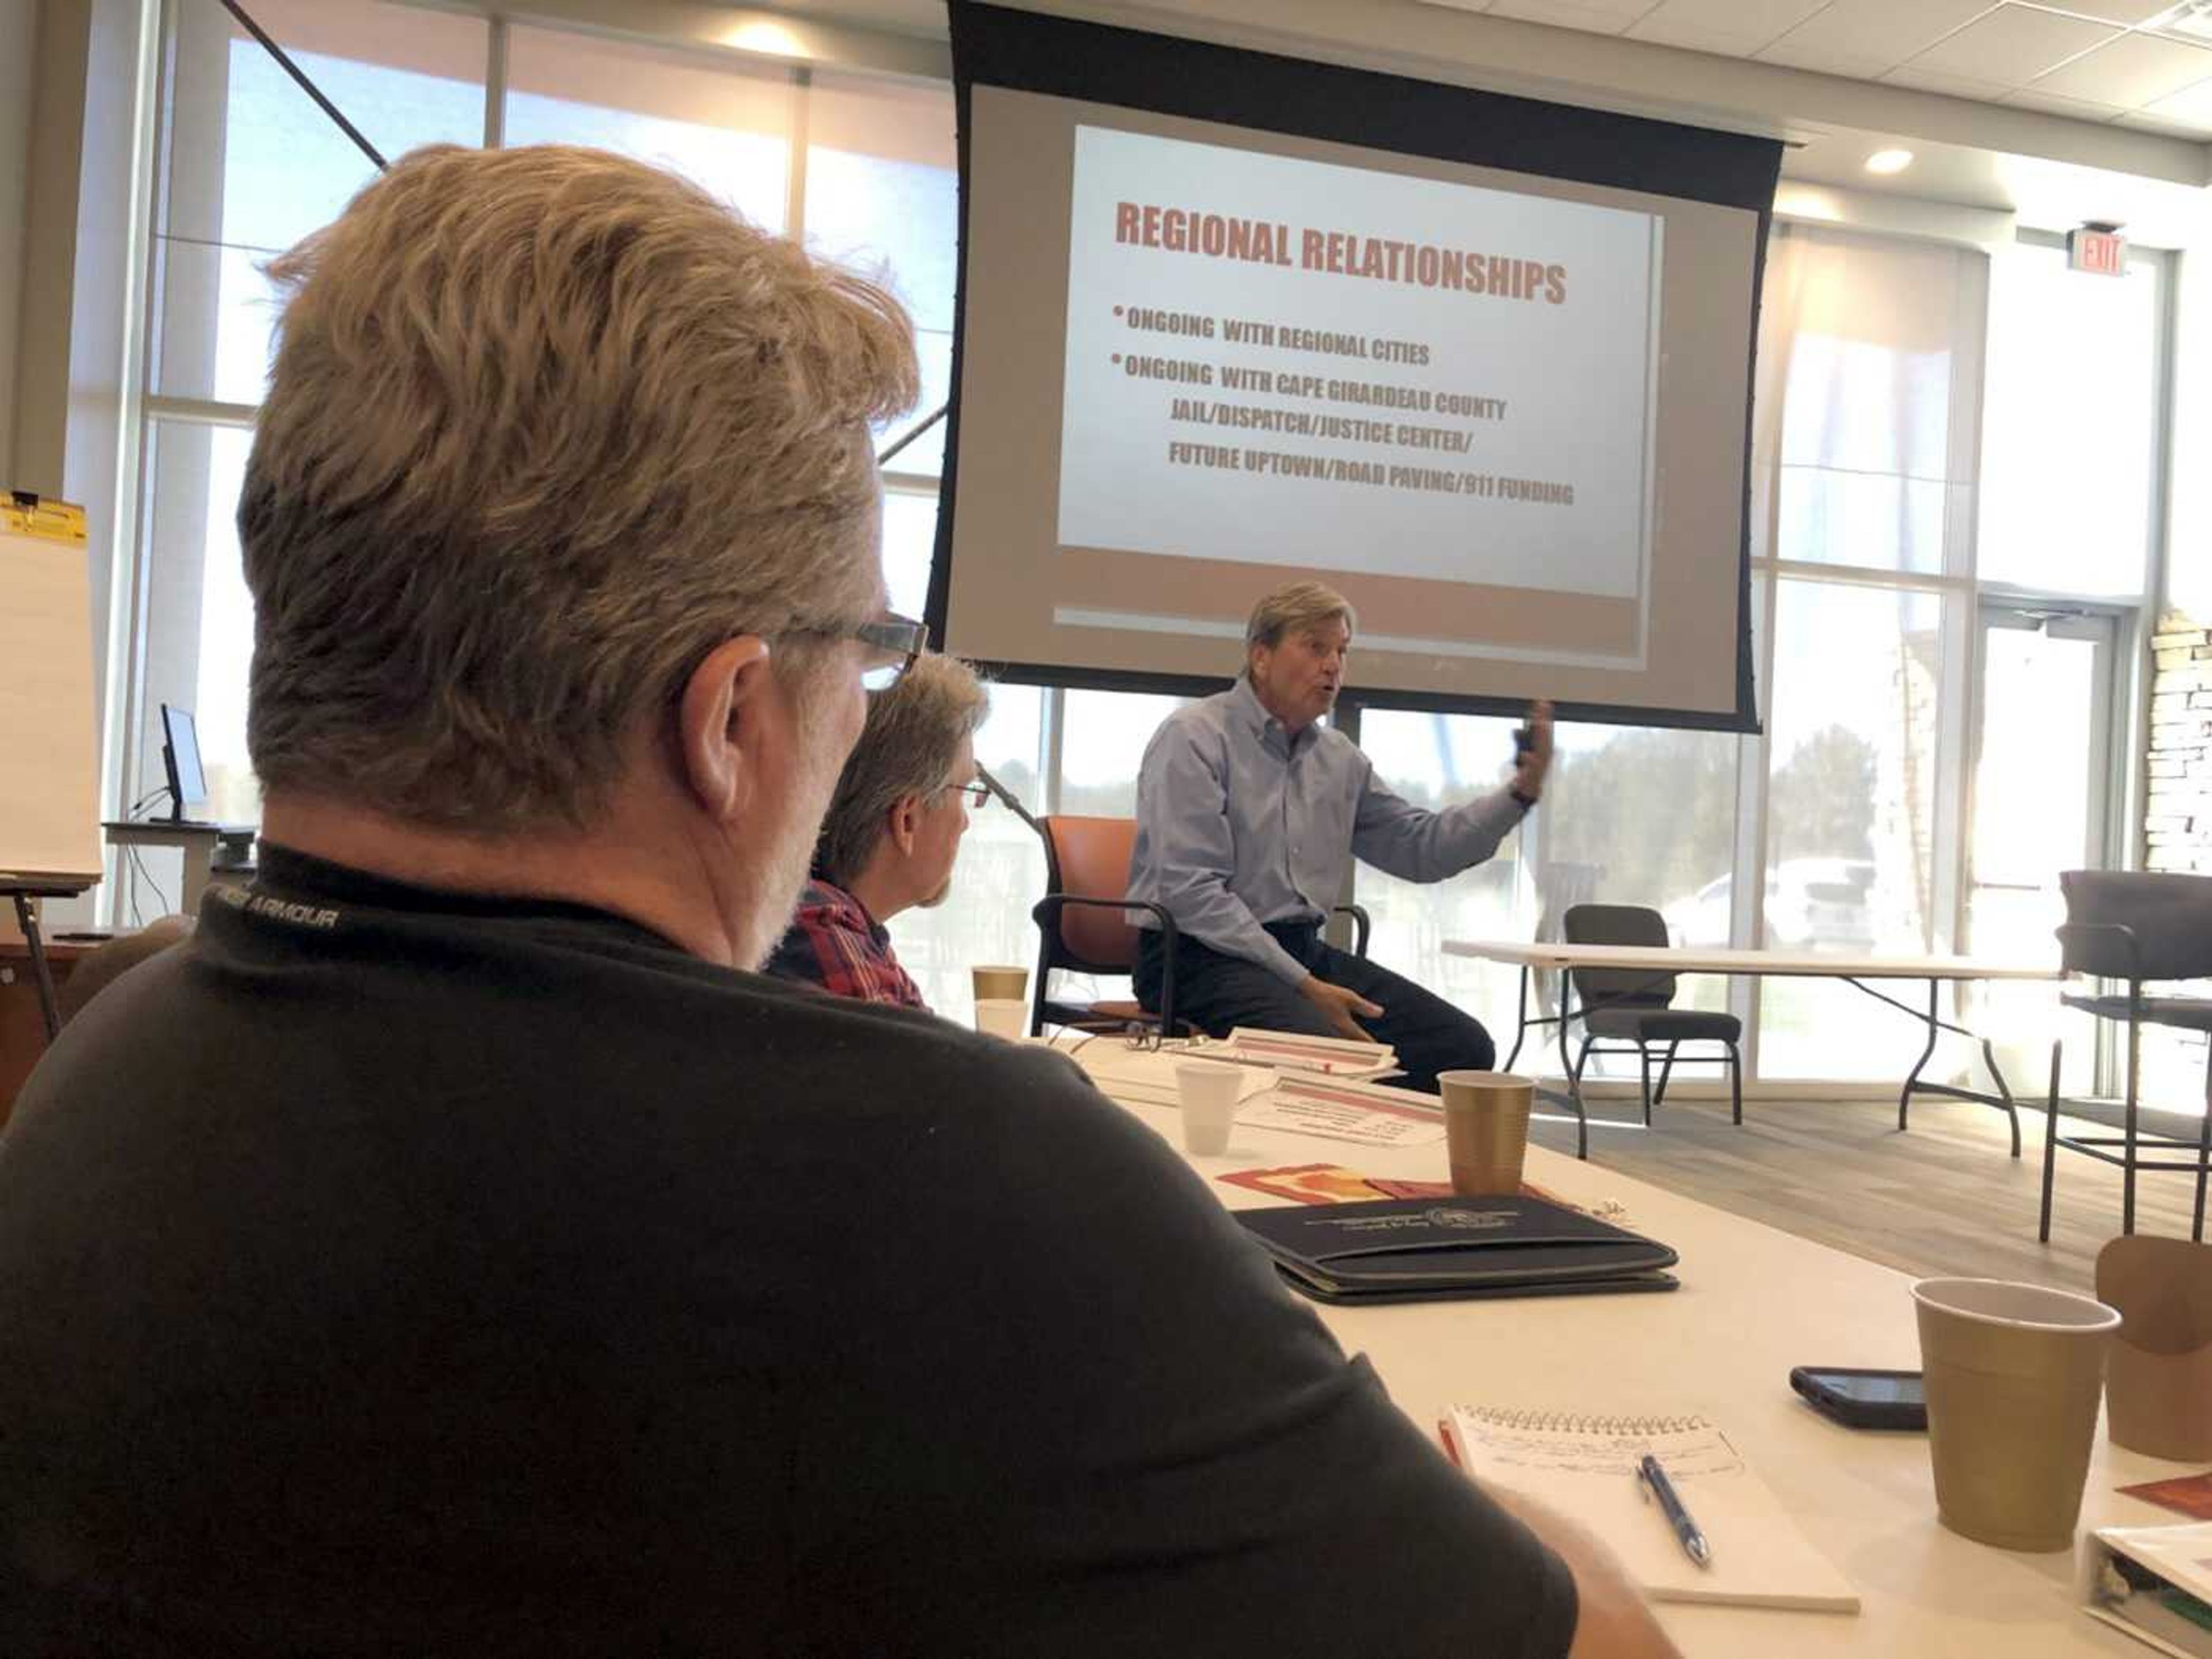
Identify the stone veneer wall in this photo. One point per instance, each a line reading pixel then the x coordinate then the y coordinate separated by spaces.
pixel 2177 820
pixel 2178 806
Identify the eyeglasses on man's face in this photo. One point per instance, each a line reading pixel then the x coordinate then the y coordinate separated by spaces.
pixel 978 793
pixel 893 643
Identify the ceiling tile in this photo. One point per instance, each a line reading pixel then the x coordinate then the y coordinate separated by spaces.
pixel 1951 86
pixel 2130 72
pixel 2191 106
pixel 2079 109
pixel 1561 14
pixel 2013 45
pixel 1888 30
pixel 1757 21
pixel 1696 37
pixel 1826 61
pixel 2117 11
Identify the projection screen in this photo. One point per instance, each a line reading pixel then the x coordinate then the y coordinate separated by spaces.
pixel 1487 370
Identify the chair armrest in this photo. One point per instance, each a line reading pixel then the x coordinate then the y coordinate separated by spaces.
pixel 1362 925
pixel 1046 912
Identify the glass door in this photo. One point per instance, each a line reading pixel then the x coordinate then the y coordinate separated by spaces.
pixel 2043 783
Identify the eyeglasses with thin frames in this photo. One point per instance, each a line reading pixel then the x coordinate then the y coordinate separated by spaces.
pixel 1142 1035
pixel 894 643
pixel 979 795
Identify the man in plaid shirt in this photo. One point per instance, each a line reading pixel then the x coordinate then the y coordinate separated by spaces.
pixel 892 835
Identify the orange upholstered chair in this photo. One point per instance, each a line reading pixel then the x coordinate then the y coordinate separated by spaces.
pixel 1084 920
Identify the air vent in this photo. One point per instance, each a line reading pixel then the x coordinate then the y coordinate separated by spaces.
pixel 2191 19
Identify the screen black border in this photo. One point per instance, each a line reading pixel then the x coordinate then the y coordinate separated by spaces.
pixel 1168 75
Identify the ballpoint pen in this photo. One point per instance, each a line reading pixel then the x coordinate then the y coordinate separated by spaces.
pixel 1654 1481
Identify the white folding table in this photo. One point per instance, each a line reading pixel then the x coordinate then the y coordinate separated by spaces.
pixel 1662 961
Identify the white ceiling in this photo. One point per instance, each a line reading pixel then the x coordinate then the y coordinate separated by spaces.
pixel 1971 88
pixel 2091 60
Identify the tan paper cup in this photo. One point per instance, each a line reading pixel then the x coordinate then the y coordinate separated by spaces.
pixel 1486 1130
pixel 1002 1016
pixel 1000 984
pixel 2013 1375
pixel 1208 1096
pixel 2158 1375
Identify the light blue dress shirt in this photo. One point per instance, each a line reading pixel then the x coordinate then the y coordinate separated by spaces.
pixel 1239 823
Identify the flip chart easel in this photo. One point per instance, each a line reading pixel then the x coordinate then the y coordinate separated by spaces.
pixel 49 741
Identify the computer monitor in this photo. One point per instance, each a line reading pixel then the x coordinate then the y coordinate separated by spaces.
pixel 180 759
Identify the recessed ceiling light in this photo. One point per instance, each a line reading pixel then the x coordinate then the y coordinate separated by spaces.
pixel 771 38
pixel 1889 161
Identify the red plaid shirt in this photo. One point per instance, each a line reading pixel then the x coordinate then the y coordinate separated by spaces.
pixel 832 942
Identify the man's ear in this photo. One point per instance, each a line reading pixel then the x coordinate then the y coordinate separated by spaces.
pixel 718 725
pixel 905 821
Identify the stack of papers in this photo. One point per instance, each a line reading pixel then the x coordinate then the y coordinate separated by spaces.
pixel 1368 1114
pixel 1294 1051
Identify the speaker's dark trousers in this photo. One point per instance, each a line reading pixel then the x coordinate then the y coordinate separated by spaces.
pixel 1217 993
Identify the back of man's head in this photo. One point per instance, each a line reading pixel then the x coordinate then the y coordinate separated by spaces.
pixel 545 427
pixel 913 736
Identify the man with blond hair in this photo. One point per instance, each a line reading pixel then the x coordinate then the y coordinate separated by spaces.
pixel 1250 813
pixel 467 1252
pixel 892 835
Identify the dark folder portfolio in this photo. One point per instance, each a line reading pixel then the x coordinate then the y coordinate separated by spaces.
pixel 1420 1249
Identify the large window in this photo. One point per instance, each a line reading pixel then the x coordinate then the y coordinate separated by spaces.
pixel 1936 430
pixel 1631 815
pixel 1851 852
pixel 1440 760
pixel 2069 440
pixel 1868 363
pixel 1869 377
pixel 882 193
pixel 251 166
pixel 725 126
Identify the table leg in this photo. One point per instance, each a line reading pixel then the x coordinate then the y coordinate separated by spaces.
pixel 1567 1069
pixel 1521 1023
pixel 1997 1075
pixel 2050 1145
pixel 1935 1025
pixel 199 870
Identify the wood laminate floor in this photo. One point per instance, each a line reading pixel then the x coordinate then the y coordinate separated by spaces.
pixel 1942 1197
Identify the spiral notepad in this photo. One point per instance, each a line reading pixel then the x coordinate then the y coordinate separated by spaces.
pixel 1584 1466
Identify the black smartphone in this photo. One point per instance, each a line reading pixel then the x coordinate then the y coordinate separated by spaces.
pixel 1864 1400
pixel 1524 740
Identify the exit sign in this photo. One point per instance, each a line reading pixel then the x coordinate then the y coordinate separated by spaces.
pixel 2101 252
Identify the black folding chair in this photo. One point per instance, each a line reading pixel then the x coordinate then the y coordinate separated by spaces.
pixel 1633 1006
pixel 2137 927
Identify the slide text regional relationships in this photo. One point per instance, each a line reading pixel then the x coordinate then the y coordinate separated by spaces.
pixel 1340 253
